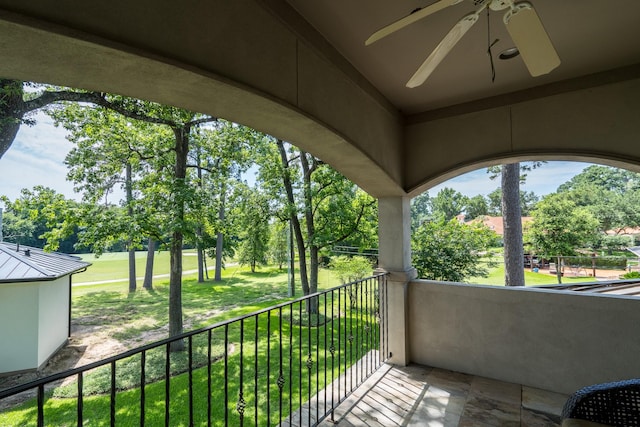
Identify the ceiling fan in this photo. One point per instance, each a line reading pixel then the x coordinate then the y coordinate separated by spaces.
pixel 522 22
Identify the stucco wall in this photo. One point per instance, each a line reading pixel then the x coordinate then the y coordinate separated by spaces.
pixel 18 326
pixel 552 340
pixel 53 317
pixel 33 323
pixel 593 124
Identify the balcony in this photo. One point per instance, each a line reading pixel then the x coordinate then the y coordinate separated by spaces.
pixel 336 357
pixel 421 396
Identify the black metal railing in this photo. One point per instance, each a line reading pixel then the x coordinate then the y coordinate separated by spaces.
pixel 292 363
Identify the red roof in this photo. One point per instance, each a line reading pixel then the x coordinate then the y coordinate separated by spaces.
pixel 495 222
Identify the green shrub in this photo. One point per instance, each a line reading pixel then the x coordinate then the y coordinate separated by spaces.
pixel 350 268
pixel 631 275
pixel 610 262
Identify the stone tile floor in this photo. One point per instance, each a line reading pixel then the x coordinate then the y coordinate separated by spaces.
pixel 424 396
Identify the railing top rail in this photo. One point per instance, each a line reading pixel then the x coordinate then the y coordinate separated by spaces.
pixel 51 378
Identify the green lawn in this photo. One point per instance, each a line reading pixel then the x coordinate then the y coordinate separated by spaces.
pixel 496 277
pixel 115 265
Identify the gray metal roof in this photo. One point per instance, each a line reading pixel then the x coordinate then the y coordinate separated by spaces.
pixel 630 288
pixel 19 263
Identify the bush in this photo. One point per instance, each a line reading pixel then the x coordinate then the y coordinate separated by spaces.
pixel 350 268
pixel 631 275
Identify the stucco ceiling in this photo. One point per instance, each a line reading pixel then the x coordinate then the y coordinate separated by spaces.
pixel 590 36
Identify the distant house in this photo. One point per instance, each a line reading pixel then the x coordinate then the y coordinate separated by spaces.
pixel 35 305
pixel 495 223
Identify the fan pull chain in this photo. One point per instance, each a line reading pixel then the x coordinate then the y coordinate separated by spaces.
pixel 490 45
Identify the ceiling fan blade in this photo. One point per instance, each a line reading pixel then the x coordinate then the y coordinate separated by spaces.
pixel 531 39
pixel 438 54
pixel 410 19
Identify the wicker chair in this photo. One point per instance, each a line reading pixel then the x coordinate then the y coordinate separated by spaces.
pixel 613 404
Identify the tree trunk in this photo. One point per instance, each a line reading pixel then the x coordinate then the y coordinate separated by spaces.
pixel 148 272
pixel 220 236
pixel 559 269
pixel 11 112
pixel 175 275
pixel 201 265
pixel 199 248
pixel 295 222
pixel 132 268
pixel 292 261
pixel 512 224
pixel 312 303
pixel 132 251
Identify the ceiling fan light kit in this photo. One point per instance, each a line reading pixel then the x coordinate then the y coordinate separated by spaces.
pixel 522 23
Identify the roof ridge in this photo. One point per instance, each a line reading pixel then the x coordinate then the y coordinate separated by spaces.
pixel 22 258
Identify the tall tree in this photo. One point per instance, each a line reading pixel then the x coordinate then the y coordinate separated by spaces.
pixel 278 244
pixel 112 151
pixel 254 220
pixel 612 195
pixel 323 207
pixel 560 227
pixel 448 203
pixel 286 175
pixel 181 123
pixel 511 176
pixel 226 151
pixel 604 177
pixel 476 206
pixel 512 225
pixel 420 210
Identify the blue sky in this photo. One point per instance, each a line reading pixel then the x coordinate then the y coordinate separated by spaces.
pixel 37 156
pixel 541 181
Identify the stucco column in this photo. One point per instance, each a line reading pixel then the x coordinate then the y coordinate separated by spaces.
pixel 394 233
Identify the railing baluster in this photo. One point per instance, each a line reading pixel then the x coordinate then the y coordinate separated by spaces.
pixel 112 406
pixel 269 367
pixel 362 333
pixel 226 374
pixel 280 376
pixel 300 358
pixel 190 368
pixel 370 331
pixel 332 351
pixel 241 403
pixel 41 405
pixel 255 371
pixel 80 401
pixel 209 335
pixel 318 361
pixel 310 310
pixel 346 338
pixel 339 339
pixel 351 339
pixel 143 382
pixel 325 352
pixel 291 360
pixel 167 384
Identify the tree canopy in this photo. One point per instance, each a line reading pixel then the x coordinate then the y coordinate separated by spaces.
pixel 450 251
